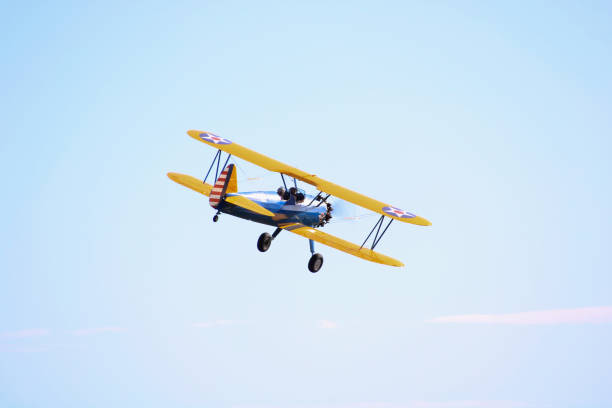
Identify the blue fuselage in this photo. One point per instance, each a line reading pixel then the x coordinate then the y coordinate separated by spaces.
pixel 286 211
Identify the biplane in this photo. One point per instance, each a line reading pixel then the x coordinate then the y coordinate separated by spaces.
pixel 289 209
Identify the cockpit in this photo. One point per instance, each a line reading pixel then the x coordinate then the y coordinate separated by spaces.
pixel 298 193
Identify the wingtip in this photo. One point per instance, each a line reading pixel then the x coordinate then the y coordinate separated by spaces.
pixel 422 222
pixel 415 221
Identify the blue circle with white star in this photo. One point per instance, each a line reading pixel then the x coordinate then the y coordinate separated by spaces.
pixel 212 138
pixel 396 212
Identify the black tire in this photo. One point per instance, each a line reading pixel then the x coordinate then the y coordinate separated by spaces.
pixel 215 218
pixel 264 242
pixel 315 263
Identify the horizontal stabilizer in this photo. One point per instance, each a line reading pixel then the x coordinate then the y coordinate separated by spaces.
pixel 250 205
pixel 191 182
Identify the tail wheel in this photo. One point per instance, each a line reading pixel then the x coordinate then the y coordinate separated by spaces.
pixel 315 263
pixel 264 242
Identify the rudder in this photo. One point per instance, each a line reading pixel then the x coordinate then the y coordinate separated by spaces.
pixel 226 183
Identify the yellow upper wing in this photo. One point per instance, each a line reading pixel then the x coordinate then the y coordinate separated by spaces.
pixel 338 243
pixel 321 184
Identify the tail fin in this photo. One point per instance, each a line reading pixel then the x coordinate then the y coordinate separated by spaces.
pixel 226 183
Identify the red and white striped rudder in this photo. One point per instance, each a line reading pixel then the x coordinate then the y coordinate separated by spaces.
pixel 226 183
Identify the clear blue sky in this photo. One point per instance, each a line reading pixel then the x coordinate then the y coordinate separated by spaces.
pixel 492 121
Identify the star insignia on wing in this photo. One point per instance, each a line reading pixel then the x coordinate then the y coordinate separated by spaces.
pixel 212 138
pixel 396 212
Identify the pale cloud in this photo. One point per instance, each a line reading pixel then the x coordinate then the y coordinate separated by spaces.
pixel 21 334
pixel 22 349
pixel 327 324
pixel 216 323
pixel 601 314
pixel 470 404
pixel 413 404
pixel 97 330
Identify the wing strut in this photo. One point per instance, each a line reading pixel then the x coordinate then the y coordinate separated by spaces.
pixel 284 184
pixel 313 200
pixel 216 159
pixel 324 200
pixel 377 227
pixel 319 197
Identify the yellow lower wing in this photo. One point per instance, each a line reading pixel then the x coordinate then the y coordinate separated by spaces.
pixel 250 205
pixel 338 243
pixel 191 182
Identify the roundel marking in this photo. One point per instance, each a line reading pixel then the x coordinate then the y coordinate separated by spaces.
pixel 212 138
pixel 396 212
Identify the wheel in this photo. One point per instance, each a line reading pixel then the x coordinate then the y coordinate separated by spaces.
pixel 264 242
pixel 215 218
pixel 315 263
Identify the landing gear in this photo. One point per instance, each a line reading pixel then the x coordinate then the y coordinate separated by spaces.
pixel 316 260
pixel 315 263
pixel 264 242
pixel 215 218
